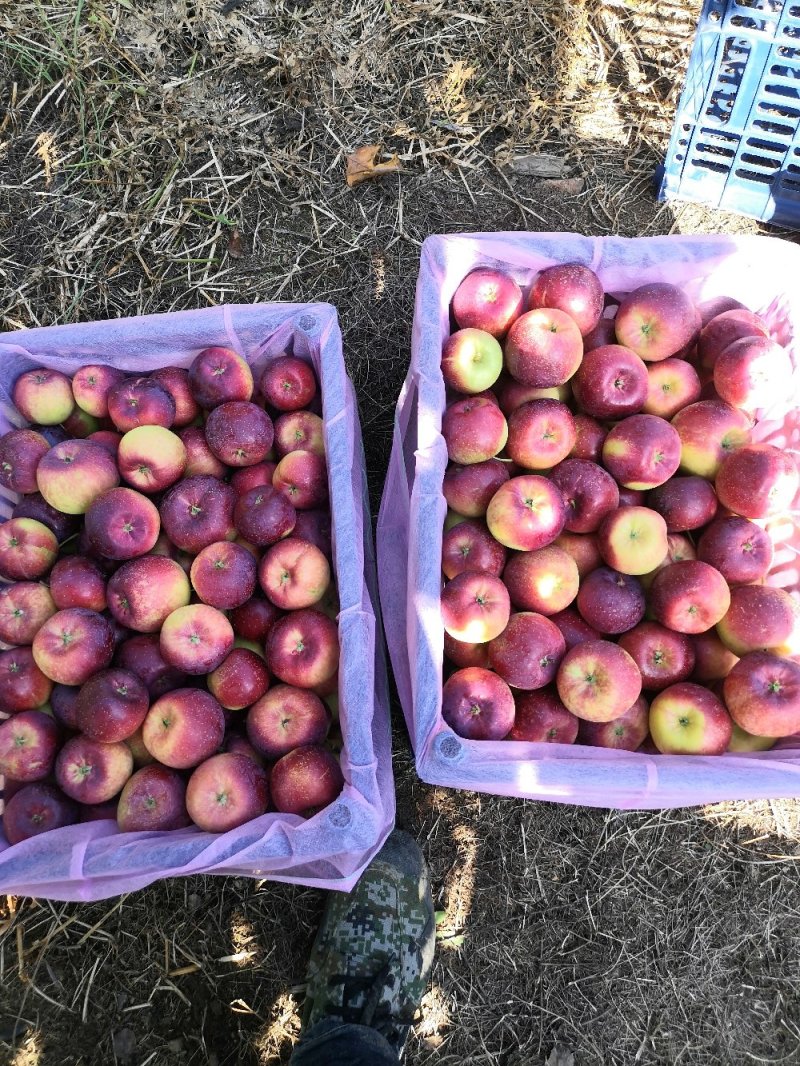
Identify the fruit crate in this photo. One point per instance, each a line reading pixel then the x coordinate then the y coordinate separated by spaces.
pixel 755 270
pixel 93 860
pixel 735 143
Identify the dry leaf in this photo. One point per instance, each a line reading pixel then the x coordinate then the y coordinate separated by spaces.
pixel 539 165
pixel 361 165
pixel 560 1056
pixel 236 247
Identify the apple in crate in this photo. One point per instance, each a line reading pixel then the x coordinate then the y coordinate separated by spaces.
pixel 288 383
pixel 709 431
pixel 738 548
pixel 598 681
pixel 112 705
pixel 526 513
pixel 469 489
pixel 239 433
pixel 625 733
pixel 664 657
pixel 589 437
pixel 712 660
pixel 305 780
pixel 79 425
pixel 541 718
pixel 240 680
pixel 470 546
pixel 572 288
pixel 153 799
pixel 27 549
pixel 175 380
pixel 141 655
pixel 475 607
pixel 64 704
pixel 689 597
pixel 23 686
pixel 263 515
pixel 477 704
pixel 184 727
pixel 761 618
pixel 742 741
pixel 302 478
pixel 589 492
pixel 91 386
pixel 642 451
pixel 122 524
pixel 487 300
pixel 145 591
pixel 35 809
pixel 294 574
pixel 724 329
pixel 545 581
pixel 471 360
pixel 197 512
pixel 671 386
pixel 757 481
pixel 20 453
pixel 474 430
pixel 245 478
pixel 657 320
pixel 73 644
pixel 509 394
pixel 151 458
pixel 462 653
pixel 528 651
pixel 762 693
pixel 77 581
pixel 226 791
pixel 298 431
pixel 611 602
pixel 219 375
pixel 91 772
pixel 28 745
pixel 633 540
pixel 540 434
pixel 303 648
pixel 752 373
pixel 196 639
pixel 688 719
pixel 543 348
pixel 254 619
pixel 573 628
pixel 224 575
pixel 140 402
pixel 24 608
pixel 287 718
pixel 200 460
pixel 35 506
pixel 611 382
pixel 582 548
pixel 685 503
pixel 43 396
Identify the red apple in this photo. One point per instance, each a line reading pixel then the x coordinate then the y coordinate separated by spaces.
pixel 663 656
pixel 254 619
pixel 305 780
pixel 237 745
pixel 642 451
pixel 64 704
pixel 302 478
pixel 200 460
pixel 689 597
pixel 122 524
pixel 90 772
pixel 541 718
pixel 24 608
pixel 762 693
pixel 753 373
pixel 545 581
pixel 299 431
pixel 224 575
pixel 145 591
pixel 511 394
pixel 175 381
pixel 474 430
pixel 601 336
pixel 757 481
pixel 462 653
pixel 543 348
pixel 477 704
pixel 527 653
pixel 611 602
pixel 488 300
pixel 219 375
pixel 469 489
pixel 79 425
pixel 633 540
pixel 196 639
pixel 738 548
pixel 717 305
pixel 142 656
pixel 583 548
pixel 20 453
pixel 183 728
pixel 153 799
pixel 74 473
pixel 631 497
pixel 141 756
pixel 23 686
pixel 151 458
pixel 598 681
pixel 761 618
pixel 589 437
pixel 526 513
pixel 239 433
pixel 725 328
pixel 197 512
pixel 240 680
pixel 712 660
pixel 540 434
pixel 288 383
pixel 252 477
pixel 709 431
pixel 573 628
pixel 572 288
pixel 27 549
pixel 625 733
pixel 35 506
pixel 471 360
pixel 43 396
pixel 140 402
pixel 91 386
pixel 28 746
pixel 656 320
pixel 671 386
pixel 287 718
pixel 294 574
pixel 226 791
pixel 73 645
pixel 590 493
pixel 263 515
pixel 684 503
pixel 112 705
pixel 475 607
pixel 303 648
pixel 470 546
pixel 36 809
pixel 688 719
pixel 611 382
pixel 76 581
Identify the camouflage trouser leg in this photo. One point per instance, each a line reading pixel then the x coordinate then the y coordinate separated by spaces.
pixel 334 1043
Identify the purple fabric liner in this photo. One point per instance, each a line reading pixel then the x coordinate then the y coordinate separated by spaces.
pixel 330 850
pixel 758 271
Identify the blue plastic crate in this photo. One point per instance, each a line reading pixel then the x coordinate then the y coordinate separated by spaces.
pixel 736 139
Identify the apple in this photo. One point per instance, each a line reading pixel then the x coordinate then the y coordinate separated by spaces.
pixel 709 431
pixel 601 336
pixel 240 680
pixel 140 402
pixel 712 660
pixel 757 481
pixel 642 451
pixel 725 328
pixel 28 746
pixel 238 745
pixel 108 439
pixel 239 433
pixel 23 686
pixel 671 386
pixel 470 546
pixel 663 656
pixel 631 497
pixel 64 704
pixel 72 645
pixel 469 489
pixel 462 653
pixel 245 478
pixel 142 656
pixel 74 473
pixel 633 540
pixel 219 375
pixel 742 741
pixel 76 581
pixel 589 492
pixel 315 527
pixel 689 597
pixel 145 591
pixel 184 727
pixel 141 756
pixel 717 305
pixel 305 780
pixel 91 386
pixel 175 381
pixel 512 394
pixel 35 506
pixel 752 373
pixel 288 383
pixel 598 681
pixel 474 430
pixel 762 693
pixel 302 478
pixel 545 581
pixel 196 639
pixel 488 300
pixel 303 648
pixel 475 607
pixel 626 733
pixel 224 574
pixel 572 288
pixel 684 503
pixel 151 458
pixel 611 602
pixel 540 434
pixel 688 719
pixel 526 513
pixel 286 718
pixel 27 549
pixel 583 548
pixel 263 515
pixel 197 512
pixel 226 791
pixel 299 431
pixel 43 396
pixel 24 608
pixel 91 772
pixel 200 460
pixel 738 548
pixel 254 619
pixel 153 799
pixel 294 574
pixel 471 360
pixel 122 524
pixel 611 382
pixel 477 704
pixel 20 453
pixel 79 425
pixel 36 809
pixel 112 705
pixel 541 718
pixel 573 628
pixel 543 348
pixel 656 320
pixel 761 618
pixel 589 437
pixel 527 653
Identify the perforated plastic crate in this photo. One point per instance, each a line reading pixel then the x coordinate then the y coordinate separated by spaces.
pixel 736 139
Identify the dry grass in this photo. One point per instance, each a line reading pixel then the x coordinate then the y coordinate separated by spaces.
pixel 135 138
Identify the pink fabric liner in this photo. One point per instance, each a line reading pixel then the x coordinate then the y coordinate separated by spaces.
pixel 758 271
pixel 94 861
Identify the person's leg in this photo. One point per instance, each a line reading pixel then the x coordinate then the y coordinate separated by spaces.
pixel 370 963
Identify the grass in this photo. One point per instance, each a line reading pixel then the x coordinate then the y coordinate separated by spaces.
pixel 135 137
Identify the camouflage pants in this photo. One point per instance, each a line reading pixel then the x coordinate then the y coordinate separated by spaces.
pixel 333 1043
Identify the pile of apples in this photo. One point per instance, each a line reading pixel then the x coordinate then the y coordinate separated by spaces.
pixel 168 608
pixel 607 542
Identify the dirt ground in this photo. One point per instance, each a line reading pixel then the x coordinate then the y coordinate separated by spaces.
pixel 165 154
